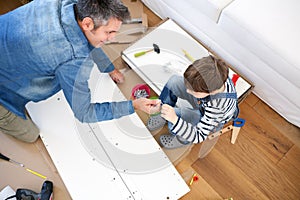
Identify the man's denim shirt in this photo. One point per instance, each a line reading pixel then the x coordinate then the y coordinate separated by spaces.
pixel 43 50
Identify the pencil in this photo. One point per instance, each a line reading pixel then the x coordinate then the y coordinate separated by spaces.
pixel 37 174
pixel 192 180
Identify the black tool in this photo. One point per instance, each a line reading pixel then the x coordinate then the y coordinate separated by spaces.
pixel 155 49
pixel 10 160
pixel 26 194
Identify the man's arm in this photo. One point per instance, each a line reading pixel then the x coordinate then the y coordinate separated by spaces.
pixel 73 77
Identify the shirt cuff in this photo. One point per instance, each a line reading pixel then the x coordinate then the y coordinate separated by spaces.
pixel 175 125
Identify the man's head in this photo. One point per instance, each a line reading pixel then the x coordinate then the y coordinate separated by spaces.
pixel 100 19
pixel 205 76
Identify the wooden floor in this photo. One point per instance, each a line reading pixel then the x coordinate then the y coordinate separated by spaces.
pixel 264 163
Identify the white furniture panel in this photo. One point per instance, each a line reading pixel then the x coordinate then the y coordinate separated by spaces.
pixel 116 159
pixel 156 69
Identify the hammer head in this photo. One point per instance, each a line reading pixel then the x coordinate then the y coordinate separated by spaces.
pixel 156 48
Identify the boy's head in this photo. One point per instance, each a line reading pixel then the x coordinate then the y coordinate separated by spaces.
pixel 206 75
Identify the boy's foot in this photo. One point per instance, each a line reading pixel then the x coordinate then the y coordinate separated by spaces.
pixel 172 141
pixel 155 122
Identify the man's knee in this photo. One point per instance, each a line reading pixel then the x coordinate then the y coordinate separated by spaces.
pixel 28 134
pixel 22 129
pixel 31 136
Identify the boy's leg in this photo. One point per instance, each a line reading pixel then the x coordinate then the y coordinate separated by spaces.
pixel 11 124
pixel 175 89
pixel 192 116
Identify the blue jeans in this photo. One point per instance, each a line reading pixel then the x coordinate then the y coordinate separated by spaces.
pixel 175 89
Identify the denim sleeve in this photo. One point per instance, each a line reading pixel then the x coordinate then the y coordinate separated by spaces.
pixel 73 77
pixel 102 61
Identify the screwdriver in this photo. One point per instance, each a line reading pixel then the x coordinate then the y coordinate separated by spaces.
pixel 10 160
pixel 21 165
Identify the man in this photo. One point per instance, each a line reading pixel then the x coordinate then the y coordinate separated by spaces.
pixel 52 45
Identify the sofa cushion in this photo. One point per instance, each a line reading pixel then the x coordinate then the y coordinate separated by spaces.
pixel 211 8
pixel 270 29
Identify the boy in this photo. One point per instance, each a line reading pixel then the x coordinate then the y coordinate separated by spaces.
pixel 213 98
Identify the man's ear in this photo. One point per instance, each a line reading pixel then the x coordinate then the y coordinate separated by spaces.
pixel 87 24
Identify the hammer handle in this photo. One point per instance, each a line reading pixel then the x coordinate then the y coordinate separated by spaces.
pixel 142 53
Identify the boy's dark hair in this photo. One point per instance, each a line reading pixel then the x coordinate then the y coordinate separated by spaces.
pixel 101 11
pixel 206 74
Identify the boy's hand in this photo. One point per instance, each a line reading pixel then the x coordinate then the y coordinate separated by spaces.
pixel 146 105
pixel 168 113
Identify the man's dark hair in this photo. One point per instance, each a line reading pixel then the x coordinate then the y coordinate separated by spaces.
pixel 206 74
pixel 100 11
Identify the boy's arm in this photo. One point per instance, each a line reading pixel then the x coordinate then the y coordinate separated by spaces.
pixel 193 134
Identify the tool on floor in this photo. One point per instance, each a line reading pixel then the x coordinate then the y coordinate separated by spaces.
pixel 155 49
pixel 26 194
pixel 10 160
pixel 3 157
pixel 193 179
pixel 212 139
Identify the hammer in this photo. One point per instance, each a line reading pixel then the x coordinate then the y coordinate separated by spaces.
pixel 155 48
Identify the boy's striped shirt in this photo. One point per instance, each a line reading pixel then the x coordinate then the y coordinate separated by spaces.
pixel 215 111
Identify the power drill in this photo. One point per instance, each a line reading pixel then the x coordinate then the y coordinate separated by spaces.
pixel 26 194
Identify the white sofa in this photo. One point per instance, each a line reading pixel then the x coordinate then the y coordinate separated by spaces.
pixel 259 38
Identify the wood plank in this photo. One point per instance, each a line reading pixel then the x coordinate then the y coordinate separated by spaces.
pixel 9 5
pixel 289 130
pixel 201 190
pixel 252 99
pixel 153 19
pixel 290 165
pixel 249 160
pixel 264 135
pixel 227 178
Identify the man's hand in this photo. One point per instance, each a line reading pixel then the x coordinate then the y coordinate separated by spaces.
pixel 147 105
pixel 117 76
pixel 168 113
